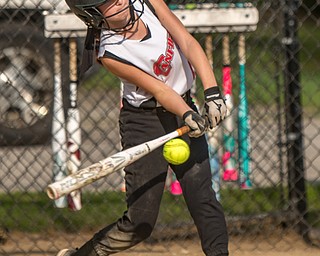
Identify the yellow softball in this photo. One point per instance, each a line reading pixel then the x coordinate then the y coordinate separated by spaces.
pixel 176 151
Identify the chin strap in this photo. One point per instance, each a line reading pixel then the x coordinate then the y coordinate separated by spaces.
pixel 88 51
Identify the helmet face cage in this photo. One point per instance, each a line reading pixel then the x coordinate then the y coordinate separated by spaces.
pixel 78 7
pixel 92 17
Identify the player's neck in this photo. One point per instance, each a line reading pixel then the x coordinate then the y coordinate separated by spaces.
pixel 137 32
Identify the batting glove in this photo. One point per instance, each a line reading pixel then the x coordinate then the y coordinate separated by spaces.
pixel 215 106
pixel 196 123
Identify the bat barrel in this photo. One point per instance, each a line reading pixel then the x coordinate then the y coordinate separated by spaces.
pixel 66 186
pixel 109 165
pixel 52 193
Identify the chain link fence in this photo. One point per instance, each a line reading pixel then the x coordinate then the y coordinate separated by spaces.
pixel 281 81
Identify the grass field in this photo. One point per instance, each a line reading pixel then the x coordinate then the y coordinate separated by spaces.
pixel 21 211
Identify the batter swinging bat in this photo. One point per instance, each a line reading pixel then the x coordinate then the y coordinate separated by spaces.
pixel 230 172
pixel 73 126
pixel 243 120
pixel 59 137
pixel 108 165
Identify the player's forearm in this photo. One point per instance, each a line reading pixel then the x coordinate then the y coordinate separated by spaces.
pixel 172 102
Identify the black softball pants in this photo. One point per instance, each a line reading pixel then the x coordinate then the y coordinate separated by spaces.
pixel 145 182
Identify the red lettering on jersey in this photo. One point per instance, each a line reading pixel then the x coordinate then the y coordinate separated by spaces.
pixel 163 65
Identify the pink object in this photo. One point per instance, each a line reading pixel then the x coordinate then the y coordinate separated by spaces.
pixel 176 188
pixel 226 156
pixel 230 175
pixel 227 81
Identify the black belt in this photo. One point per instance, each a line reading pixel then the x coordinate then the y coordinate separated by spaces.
pixel 152 103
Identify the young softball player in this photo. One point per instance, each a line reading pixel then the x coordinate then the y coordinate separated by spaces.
pixel 148 48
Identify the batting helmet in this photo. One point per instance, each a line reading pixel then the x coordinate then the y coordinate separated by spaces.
pixel 88 12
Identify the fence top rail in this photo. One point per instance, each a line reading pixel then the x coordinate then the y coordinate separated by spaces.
pixel 210 19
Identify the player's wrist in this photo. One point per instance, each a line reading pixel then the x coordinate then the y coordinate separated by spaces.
pixel 197 124
pixel 186 114
pixel 212 93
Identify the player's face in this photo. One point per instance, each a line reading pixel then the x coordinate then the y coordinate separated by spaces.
pixel 116 13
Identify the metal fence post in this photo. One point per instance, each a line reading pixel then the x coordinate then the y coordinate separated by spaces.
pixel 296 179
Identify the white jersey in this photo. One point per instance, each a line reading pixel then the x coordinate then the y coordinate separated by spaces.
pixel 157 55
